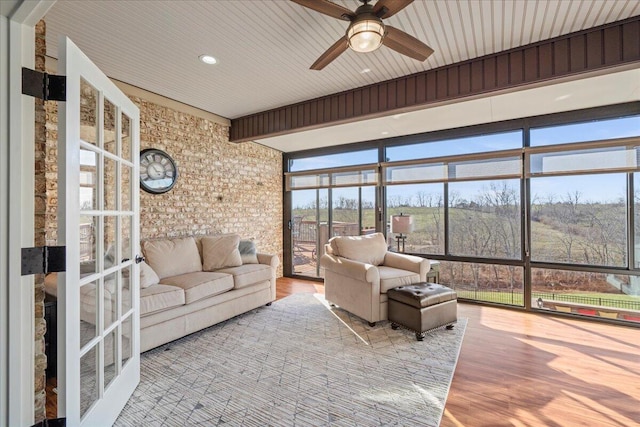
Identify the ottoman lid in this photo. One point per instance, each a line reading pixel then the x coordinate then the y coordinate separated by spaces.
pixel 422 294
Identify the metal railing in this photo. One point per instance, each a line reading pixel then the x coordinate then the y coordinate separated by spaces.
pixel 515 297
pixel 597 301
pixel 306 231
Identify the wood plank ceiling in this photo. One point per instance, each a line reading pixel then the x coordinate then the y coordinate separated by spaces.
pixel 606 46
pixel 265 48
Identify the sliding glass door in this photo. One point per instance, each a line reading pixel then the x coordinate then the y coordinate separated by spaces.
pixel 352 213
pixel 331 202
pixel 309 232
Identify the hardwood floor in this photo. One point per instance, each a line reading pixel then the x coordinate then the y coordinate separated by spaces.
pixel 52 398
pixel 526 369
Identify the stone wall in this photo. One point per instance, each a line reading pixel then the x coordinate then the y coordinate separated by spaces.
pixel 222 187
pixel 40 362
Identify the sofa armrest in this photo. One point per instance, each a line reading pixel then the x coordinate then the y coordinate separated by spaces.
pixel 408 262
pixel 353 269
pixel 267 259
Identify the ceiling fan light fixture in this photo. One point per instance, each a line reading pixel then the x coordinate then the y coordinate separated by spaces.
pixel 365 35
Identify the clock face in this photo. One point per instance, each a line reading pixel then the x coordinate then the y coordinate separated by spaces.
pixel 158 171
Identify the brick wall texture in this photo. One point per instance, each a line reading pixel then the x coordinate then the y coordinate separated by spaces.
pixel 222 187
pixel 40 194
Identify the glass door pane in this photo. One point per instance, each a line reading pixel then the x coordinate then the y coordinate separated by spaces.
pixel 309 233
pixel 368 210
pixel 345 212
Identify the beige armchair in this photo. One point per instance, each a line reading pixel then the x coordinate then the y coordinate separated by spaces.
pixel 359 271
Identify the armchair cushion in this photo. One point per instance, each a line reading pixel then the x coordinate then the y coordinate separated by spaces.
pixel 393 277
pixel 369 249
pixel 200 284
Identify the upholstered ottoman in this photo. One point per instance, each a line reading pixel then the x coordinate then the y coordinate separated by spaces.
pixel 422 307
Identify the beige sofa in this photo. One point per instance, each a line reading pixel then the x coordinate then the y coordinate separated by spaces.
pixel 200 282
pixel 359 271
pixel 186 284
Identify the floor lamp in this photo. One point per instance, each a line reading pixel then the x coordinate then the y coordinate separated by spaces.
pixel 401 225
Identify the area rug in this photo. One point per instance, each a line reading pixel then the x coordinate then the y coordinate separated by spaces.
pixel 298 362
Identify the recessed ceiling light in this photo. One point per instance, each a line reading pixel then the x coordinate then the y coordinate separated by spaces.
pixel 208 59
pixel 385 133
pixel 365 71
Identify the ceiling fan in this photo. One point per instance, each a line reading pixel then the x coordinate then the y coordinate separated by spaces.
pixel 367 32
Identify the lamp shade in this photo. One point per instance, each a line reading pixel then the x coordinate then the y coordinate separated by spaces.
pixel 401 224
pixel 365 35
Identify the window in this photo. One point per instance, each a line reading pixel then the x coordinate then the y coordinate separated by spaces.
pixel 560 216
pixel 579 219
pixel 337 178
pixel 596 130
pixel 618 158
pixel 484 219
pixel 587 293
pixel 636 219
pixel 334 160
pixel 425 203
pixel 454 147
pixel 502 284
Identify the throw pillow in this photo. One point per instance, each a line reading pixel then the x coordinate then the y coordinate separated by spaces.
pixel 248 252
pixel 220 251
pixel 172 257
pixel 148 277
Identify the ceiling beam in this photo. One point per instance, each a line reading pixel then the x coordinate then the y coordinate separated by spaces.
pixel 598 48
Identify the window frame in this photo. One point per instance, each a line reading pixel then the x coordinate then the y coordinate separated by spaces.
pixel 525 125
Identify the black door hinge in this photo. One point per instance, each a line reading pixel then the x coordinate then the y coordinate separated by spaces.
pixel 52 422
pixel 43 260
pixel 48 87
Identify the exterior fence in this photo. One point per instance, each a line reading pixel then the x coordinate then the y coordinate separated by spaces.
pixel 579 299
pixel 515 297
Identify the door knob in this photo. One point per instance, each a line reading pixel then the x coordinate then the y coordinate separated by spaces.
pixel 139 259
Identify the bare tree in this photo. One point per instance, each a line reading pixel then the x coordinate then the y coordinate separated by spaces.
pixel 422 198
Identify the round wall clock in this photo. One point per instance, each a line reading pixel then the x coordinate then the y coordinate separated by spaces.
pixel 158 171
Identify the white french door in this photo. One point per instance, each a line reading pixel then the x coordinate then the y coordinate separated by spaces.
pixel 98 325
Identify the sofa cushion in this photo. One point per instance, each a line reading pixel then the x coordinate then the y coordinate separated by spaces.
pixel 148 277
pixel 248 252
pixel 248 274
pixel 369 249
pixel 201 284
pixel 160 297
pixel 220 251
pixel 172 257
pixel 393 277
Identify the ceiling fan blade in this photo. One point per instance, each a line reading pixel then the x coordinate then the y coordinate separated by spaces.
pixel 386 8
pixel 328 8
pixel 406 44
pixel 332 53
